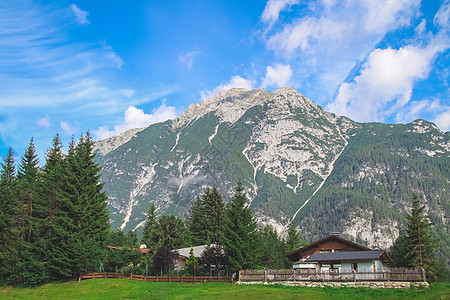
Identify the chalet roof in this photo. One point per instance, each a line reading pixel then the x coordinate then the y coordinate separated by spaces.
pixel 348 256
pixel 198 250
pixel 333 236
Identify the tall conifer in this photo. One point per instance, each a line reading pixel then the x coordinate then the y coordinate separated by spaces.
pixel 240 238
pixel 149 233
pixel 8 219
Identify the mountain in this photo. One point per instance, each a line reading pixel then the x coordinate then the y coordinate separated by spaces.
pixel 297 161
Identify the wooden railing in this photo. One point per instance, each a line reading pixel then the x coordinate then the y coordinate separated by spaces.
pixel 325 275
pixel 156 278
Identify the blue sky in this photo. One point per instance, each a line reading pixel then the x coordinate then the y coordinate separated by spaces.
pixel 108 66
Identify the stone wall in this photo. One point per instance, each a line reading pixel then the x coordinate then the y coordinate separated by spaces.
pixel 371 284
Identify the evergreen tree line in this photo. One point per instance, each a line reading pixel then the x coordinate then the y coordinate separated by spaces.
pixel 231 230
pixel 53 219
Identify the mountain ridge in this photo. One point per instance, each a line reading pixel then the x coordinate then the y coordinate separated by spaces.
pixel 287 151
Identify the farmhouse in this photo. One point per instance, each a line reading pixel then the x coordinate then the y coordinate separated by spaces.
pixel 183 254
pixel 335 255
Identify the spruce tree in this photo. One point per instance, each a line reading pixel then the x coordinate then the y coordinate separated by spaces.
pixel 195 222
pixel 213 214
pixel 205 219
pixel 149 233
pixel 240 237
pixel 399 253
pixel 293 240
pixel 31 267
pixel 171 232
pixel 271 248
pixel 48 207
pixel 8 218
pixel 420 241
pixel 83 225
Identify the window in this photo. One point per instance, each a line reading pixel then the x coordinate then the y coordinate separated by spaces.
pixel 325 251
pixel 355 267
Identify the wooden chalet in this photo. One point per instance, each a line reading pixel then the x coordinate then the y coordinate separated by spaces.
pixel 337 254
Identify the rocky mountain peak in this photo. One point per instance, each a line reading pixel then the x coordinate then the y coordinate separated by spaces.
pixel 228 105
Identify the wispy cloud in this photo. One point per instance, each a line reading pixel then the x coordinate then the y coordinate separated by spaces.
pixel 272 11
pixel 187 59
pixel 80 15
pixel 43 69
pixel 68 129
pixel 44 122
pixel 137 118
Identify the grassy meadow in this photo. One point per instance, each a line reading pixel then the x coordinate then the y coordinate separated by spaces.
pixel 129 289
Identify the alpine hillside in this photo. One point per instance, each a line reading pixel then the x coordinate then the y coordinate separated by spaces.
pixel 297 161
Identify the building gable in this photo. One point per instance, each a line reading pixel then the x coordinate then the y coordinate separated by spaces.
pixel 332 243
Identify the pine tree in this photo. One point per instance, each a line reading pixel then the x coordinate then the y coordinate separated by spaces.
pixel 47 207
pixel 31 268
pixel 214 214
pixel 191 263
pixel 8 219
pixel 271 248
pixel 83 224
pixel 195 222
pixel 293 240
pixel 240 237
pixel 399 253
pixel 205 219
pixel 171 232
pixel 420 241
pixel 149 233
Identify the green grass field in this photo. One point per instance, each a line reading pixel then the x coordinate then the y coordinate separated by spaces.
pixel 129 289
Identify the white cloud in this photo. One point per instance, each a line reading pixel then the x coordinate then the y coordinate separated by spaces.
pixel 385 83
pixel 421 28
pixel 137 118
pixel 277 75
pixel 187 59
pixel 68 129
pixel 272 10
pixel 443 120
pixel 442 17
pixel 349 23
pixel 383 15
pixel 80 15
pixel 44 122
pixel 235 82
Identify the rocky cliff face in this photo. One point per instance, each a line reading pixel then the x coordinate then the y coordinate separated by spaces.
pixel 297 162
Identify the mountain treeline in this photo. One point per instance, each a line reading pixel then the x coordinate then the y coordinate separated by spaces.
pixel 53 219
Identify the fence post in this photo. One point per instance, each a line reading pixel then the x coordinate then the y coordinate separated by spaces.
pixel 388 277
pixel 423 275
pixel 293 270
pixel 265 276
pixel 240 275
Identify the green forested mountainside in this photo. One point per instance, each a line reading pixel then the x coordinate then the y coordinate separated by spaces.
pixel 284 149
pixel 375 178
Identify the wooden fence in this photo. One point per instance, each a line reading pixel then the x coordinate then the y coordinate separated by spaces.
pixel 326 275
pixel 156 278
